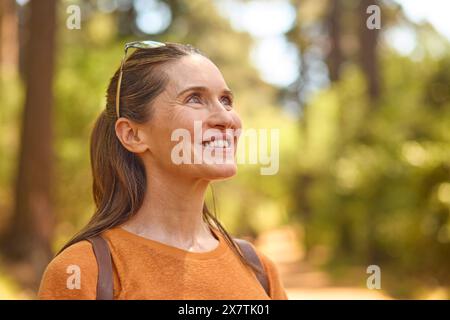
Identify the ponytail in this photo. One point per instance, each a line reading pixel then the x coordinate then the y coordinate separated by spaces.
pixel 119 182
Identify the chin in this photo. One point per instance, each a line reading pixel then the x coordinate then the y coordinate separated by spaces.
pixel 219 171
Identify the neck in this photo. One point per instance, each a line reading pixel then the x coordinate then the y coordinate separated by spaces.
pixel 172 211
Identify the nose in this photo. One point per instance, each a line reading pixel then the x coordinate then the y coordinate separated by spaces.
pixel 220 118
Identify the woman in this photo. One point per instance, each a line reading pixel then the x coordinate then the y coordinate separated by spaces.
pixel 162 240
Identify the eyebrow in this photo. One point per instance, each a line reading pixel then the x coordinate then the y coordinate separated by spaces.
pixel 203 89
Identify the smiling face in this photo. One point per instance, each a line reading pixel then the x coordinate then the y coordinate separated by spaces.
pixel 198 104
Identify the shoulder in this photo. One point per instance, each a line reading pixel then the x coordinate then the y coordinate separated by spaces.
pixel 72 274
pixel 277 291
pixel 268 264
pixel 79 254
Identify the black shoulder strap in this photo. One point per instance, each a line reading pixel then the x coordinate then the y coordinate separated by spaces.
pixel 105 283
pixel 250 254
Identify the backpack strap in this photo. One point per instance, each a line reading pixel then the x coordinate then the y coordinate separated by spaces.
pixel 249 253
pixel 105 283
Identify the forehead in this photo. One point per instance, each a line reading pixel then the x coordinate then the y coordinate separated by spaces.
pixel 195 70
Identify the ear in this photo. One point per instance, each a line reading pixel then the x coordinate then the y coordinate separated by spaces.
pixel 130 135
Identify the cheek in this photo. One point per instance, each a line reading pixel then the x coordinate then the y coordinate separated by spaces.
pixel 185 120
pixel 175 123
pixel 171 118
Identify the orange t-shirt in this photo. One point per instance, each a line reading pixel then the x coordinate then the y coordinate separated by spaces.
pixel 148 269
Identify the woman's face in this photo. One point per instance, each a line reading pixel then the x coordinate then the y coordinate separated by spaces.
pixel 194 128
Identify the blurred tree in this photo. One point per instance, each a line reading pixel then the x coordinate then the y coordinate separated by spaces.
pixel 368 40
pixel 353 190
pixel 8 36
pixel 28 235
pixel 334 58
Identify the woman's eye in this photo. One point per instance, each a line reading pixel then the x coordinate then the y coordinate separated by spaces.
pixel 194 99
pixel 227 101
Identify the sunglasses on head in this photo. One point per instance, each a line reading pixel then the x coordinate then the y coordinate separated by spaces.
pixel 146 44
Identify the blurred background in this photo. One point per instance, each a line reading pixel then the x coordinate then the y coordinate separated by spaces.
pixel 364 120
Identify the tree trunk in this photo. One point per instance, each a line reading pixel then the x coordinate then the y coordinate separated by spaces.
pixel 334 58
pixel 28 237
pixel 368 40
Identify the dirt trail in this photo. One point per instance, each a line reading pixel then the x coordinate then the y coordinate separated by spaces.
pixel 303 282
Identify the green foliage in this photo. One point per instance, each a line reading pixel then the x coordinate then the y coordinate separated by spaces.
pixel 380 174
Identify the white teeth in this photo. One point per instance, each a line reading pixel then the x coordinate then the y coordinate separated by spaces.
pixel 217 144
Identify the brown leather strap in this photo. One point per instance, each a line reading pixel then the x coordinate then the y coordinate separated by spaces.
pixel 105 270
pixel 250 254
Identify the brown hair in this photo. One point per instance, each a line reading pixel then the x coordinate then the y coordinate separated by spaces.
pixel 119 180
